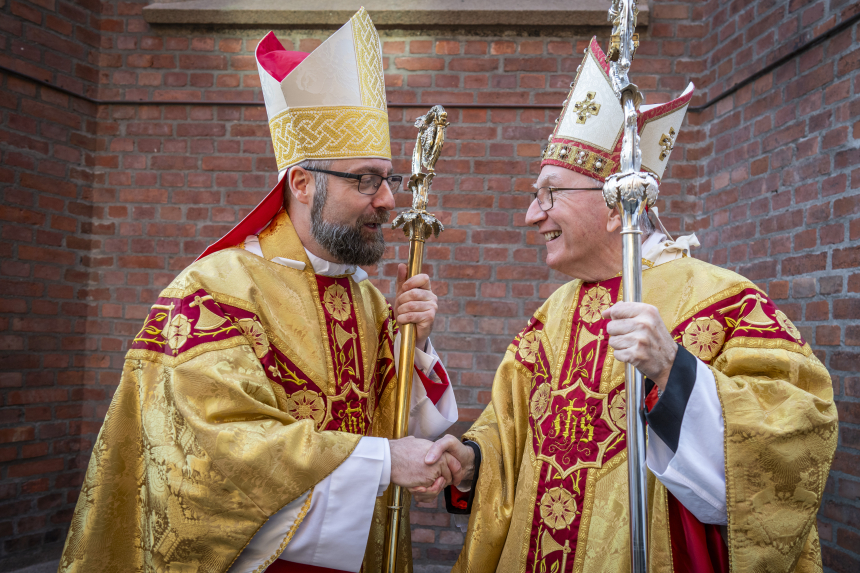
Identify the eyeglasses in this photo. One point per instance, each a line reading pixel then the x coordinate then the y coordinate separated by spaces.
pixel 544 194
pixel 368 183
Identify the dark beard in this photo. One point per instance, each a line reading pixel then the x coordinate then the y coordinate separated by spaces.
pixel 348 243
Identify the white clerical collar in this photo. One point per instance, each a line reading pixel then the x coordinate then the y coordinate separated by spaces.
pixel 321 266
pixel 330 269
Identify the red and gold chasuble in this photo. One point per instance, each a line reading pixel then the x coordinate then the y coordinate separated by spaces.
pixel 248 384
pixel 574 426
pixel 551 494
pixel 184 324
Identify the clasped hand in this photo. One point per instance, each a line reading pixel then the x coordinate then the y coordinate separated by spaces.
pixel 425 468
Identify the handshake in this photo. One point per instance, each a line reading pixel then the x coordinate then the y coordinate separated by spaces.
pixel 425 468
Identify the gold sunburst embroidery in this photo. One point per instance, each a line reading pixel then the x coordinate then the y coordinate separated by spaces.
pixel 787 325
pixel 594 303
pixel 704 337
pixel 528 348
pixel 557 508
pixel 255 334
pixel 336 302
pixel 306 405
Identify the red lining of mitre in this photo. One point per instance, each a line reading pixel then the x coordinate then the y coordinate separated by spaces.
pixel 598 53
pixel 664 108
pixel 277 61
pixel 254 222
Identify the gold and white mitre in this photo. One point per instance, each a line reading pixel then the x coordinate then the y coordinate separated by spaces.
pixel 588 134
pixel 329 104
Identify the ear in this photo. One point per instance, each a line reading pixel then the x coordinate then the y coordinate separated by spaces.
pixel 613 220
pixel 301 185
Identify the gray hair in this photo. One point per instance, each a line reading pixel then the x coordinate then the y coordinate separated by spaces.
pixel 320 179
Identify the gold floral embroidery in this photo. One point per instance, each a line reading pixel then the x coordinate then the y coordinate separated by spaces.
pixel 177 332
pixel 618 410
pixel 305 405
pixel 704 337
pixel 540 401
pixel 337 302
pixel 594 303
pixel 787 325
pixel 255 334
pixel 557 508
pixel 529 346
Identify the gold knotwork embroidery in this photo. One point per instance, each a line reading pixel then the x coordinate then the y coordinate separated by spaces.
pixel 704 337
pixel 757 317
pixel 667 144
pixel 586 108
pixel 329 133
pixel 337 302
pixel 787 325
pixel 557 508
pixel 306 405
pixel 594 303
pixel 367 55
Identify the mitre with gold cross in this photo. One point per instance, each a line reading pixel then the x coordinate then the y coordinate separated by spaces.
pixel 588 134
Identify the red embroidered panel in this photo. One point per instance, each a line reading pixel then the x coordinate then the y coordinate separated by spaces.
pixel 176 326
pixel 748 314
pixel 575 428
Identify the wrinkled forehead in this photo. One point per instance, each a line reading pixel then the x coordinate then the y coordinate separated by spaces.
pixel 554 176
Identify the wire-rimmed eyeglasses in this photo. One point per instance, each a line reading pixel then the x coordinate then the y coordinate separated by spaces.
pixel 544 194
pixel 368 183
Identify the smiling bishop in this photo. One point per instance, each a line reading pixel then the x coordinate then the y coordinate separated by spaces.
pixel 249 430
pixel 741 421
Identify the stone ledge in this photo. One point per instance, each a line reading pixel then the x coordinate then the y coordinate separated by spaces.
pixel 390 14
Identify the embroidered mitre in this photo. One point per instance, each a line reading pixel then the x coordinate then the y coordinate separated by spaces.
pixel 588 134
pixel 329 104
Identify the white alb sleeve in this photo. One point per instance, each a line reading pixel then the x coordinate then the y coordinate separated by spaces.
pixel 335 530
pixel 428 420
pixel 695 472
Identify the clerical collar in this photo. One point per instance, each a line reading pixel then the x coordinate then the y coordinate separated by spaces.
pixel 330 269
pixel 321 266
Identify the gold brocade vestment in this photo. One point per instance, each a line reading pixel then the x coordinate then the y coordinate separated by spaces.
pixel 249 383
pixel 551 495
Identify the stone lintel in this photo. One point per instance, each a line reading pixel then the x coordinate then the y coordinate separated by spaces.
pixel 390 14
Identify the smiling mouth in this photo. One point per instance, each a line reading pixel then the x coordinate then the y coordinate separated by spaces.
pixel 551 236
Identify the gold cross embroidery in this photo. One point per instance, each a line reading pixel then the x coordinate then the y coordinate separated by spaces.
pixel 586 108
pixel 667 143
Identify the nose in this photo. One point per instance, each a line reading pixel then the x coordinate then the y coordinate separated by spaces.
pixel 535 214
pixel 383 198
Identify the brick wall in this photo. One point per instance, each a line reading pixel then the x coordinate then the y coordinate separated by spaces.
pixel 47 177
pixel 101 207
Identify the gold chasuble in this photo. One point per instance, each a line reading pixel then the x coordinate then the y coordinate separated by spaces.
pixel 551 495
pixel 247 385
